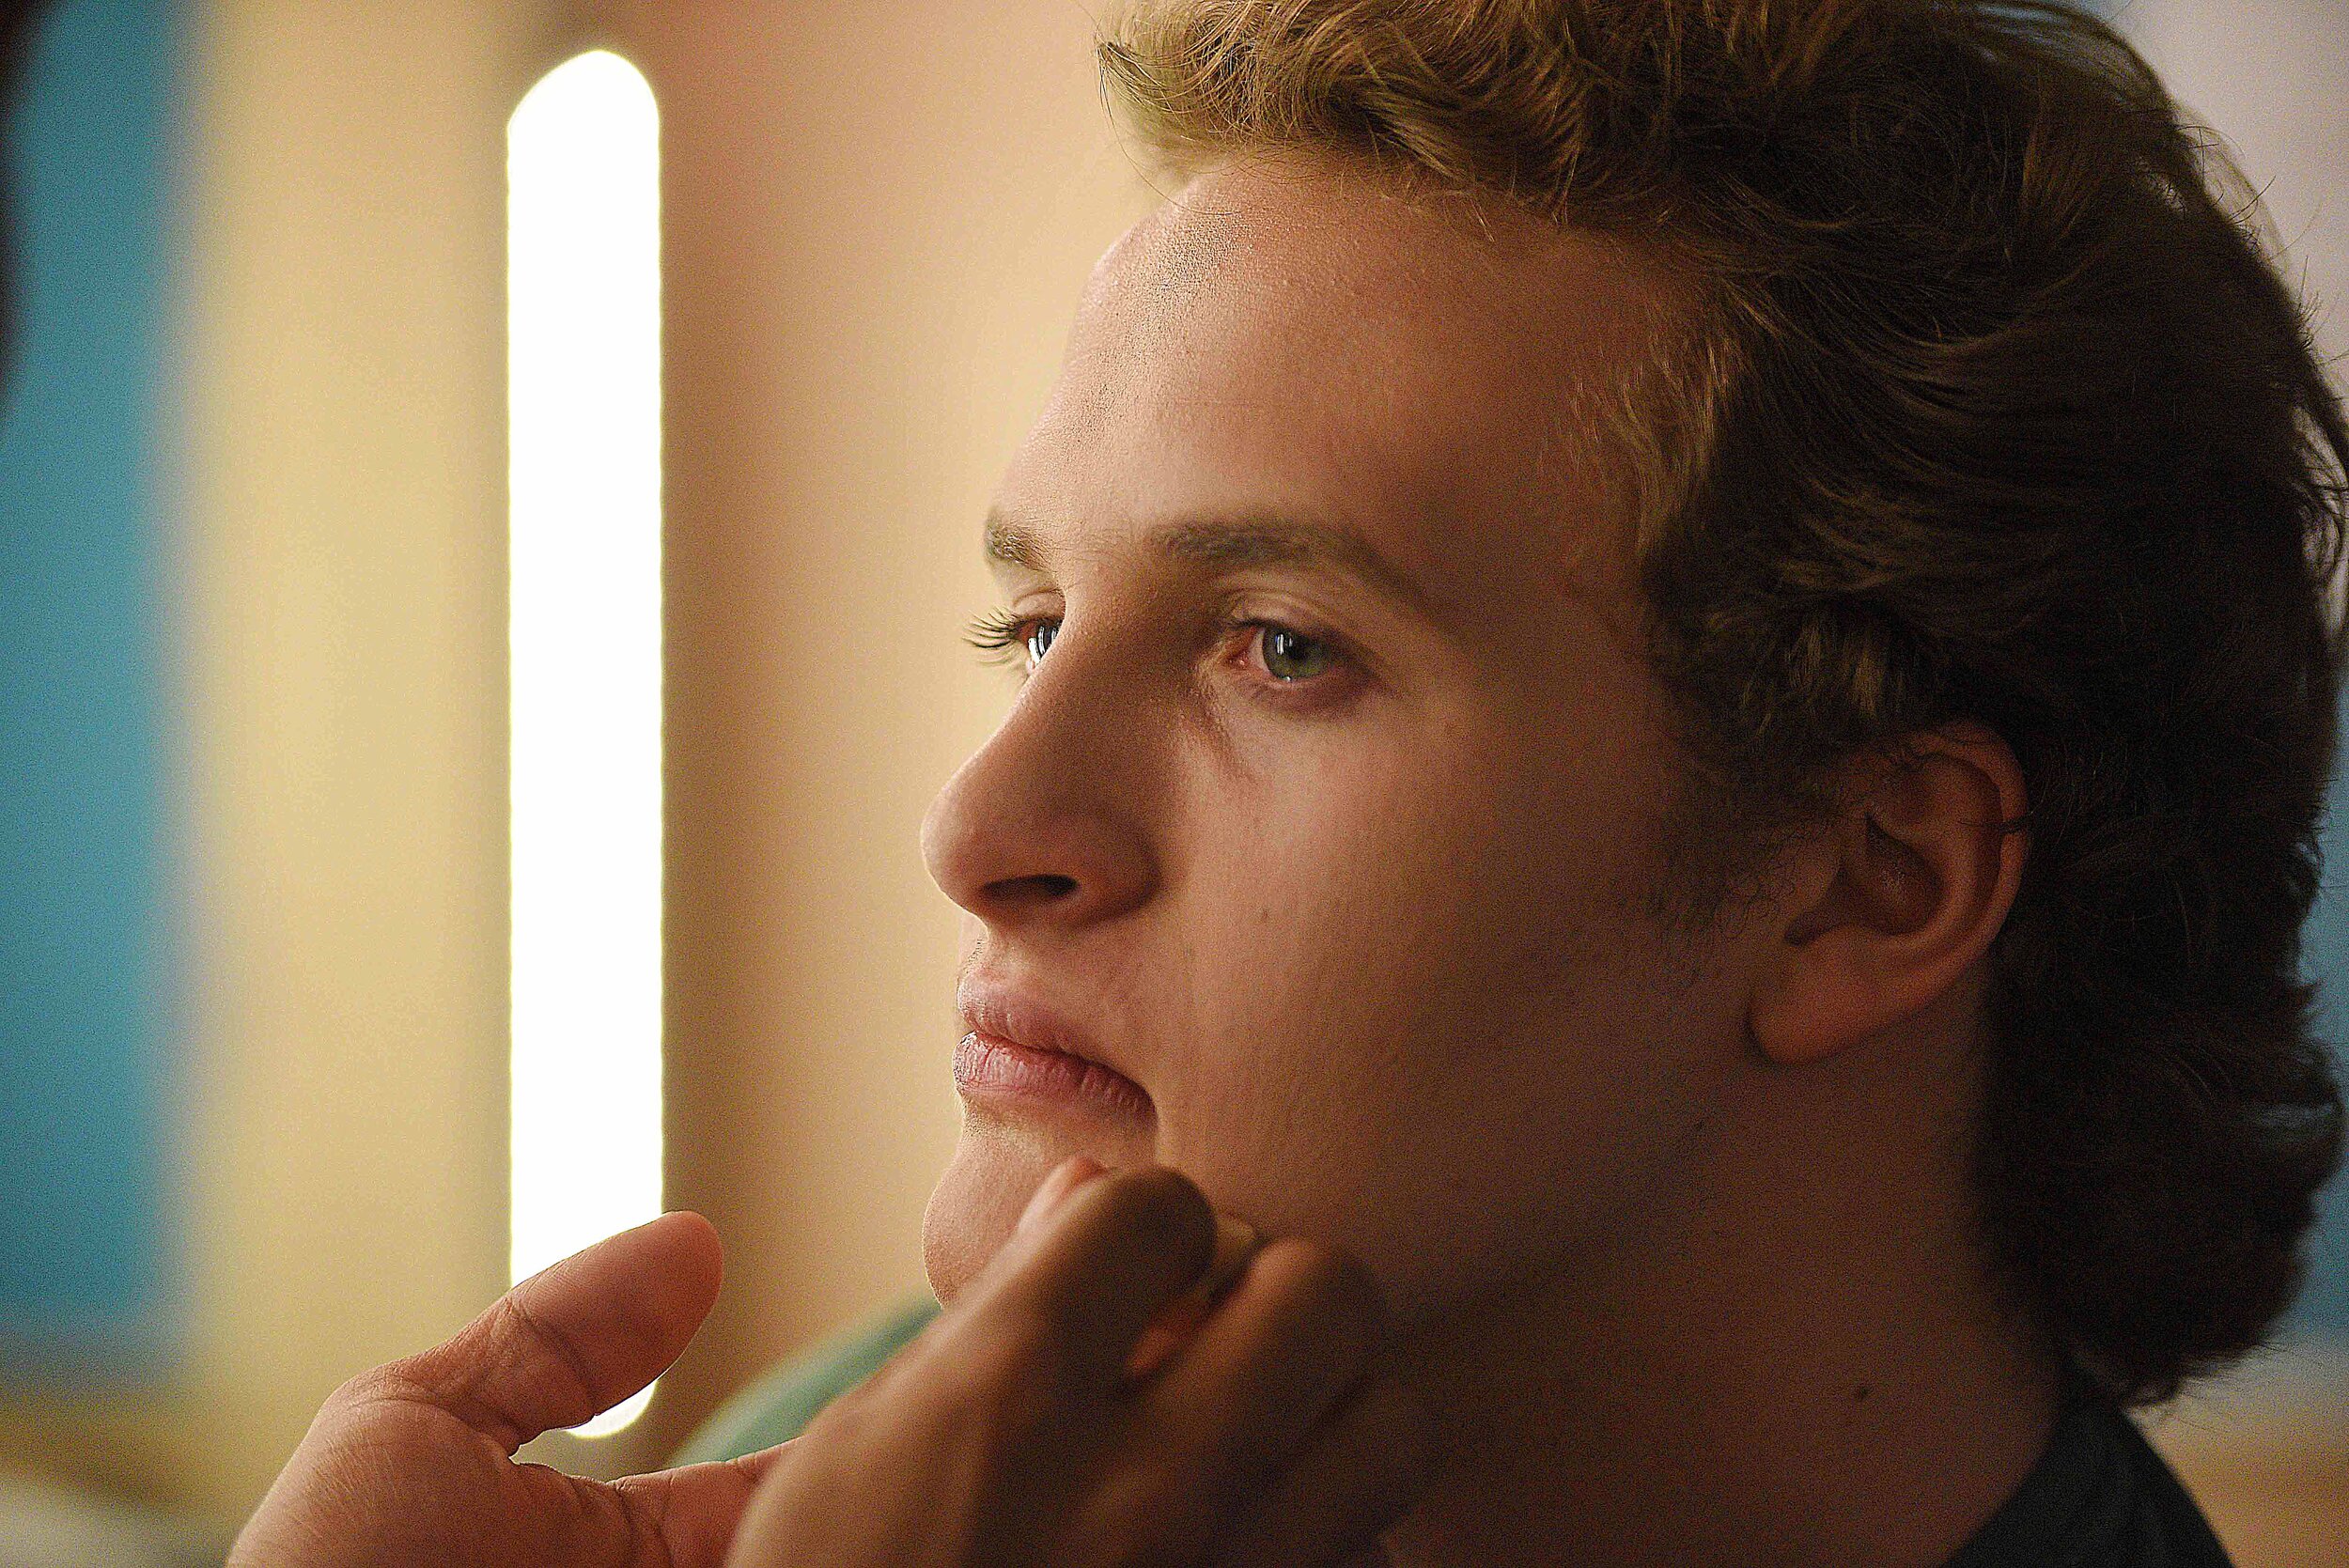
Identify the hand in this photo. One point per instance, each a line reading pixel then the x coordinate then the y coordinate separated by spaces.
pixel 410 1466
pixel 1011 1433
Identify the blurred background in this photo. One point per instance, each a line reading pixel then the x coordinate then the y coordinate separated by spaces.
pixel 432 680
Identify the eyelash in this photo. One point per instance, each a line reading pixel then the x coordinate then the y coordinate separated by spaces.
pixel 1001 638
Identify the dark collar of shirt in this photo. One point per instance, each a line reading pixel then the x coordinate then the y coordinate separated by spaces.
pixel 2099 1497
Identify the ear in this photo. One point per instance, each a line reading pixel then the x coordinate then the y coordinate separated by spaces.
pixel 1900 897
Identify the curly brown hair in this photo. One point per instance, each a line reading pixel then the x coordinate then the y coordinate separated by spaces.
pixel 1992 406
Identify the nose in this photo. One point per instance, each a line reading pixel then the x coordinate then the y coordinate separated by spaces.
pixel 1044 826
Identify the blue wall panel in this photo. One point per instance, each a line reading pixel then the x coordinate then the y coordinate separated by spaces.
pixel 86 930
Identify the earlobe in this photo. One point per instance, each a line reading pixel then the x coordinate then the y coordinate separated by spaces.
pixel 1911 885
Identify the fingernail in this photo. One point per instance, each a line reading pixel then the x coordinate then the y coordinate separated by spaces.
pixel 1064 1179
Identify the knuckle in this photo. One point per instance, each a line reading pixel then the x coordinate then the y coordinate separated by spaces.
pixel 436 1376
pixel 385 1384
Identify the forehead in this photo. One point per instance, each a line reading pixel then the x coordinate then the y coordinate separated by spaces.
pixel 1309 337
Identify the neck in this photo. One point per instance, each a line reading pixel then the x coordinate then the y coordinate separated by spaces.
pixel 1800 1362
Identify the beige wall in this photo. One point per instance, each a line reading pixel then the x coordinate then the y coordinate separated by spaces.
pixel 346 634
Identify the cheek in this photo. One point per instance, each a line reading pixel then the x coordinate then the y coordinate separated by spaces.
pixel 1356 936
pixel 1428 1030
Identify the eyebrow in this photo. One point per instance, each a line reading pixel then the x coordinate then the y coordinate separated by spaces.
pixel 1256 540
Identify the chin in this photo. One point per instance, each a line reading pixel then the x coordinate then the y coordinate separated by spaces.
pixel 974 1208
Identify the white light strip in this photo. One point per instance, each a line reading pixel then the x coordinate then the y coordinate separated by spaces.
pixel 583 344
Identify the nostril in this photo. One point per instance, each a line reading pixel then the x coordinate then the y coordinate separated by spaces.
pixel 1041 888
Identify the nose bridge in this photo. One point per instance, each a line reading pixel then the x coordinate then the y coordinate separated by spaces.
pixel 1051 818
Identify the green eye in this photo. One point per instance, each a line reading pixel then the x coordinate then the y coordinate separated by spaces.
pixel 1290 657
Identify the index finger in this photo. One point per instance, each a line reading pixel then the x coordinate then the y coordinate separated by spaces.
pixel 1070 1297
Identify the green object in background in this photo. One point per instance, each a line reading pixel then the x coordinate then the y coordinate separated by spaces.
pixel 778 1406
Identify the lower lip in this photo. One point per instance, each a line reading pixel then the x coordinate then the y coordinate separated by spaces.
pixel 987 1067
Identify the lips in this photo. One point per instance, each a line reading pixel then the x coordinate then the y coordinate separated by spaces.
pixel 1020 1047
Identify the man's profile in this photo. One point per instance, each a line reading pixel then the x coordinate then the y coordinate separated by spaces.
pixel 1678 661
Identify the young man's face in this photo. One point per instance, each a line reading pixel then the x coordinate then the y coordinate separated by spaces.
pixel 1361 904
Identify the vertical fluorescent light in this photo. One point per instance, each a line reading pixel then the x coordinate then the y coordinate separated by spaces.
pixel 583 344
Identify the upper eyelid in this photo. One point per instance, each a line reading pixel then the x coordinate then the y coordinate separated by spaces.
pixel 1019 630
pixel 1345 657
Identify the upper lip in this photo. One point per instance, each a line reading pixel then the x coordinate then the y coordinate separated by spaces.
pixel 992 1008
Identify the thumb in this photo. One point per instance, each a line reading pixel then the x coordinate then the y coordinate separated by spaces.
pixel 575 1338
